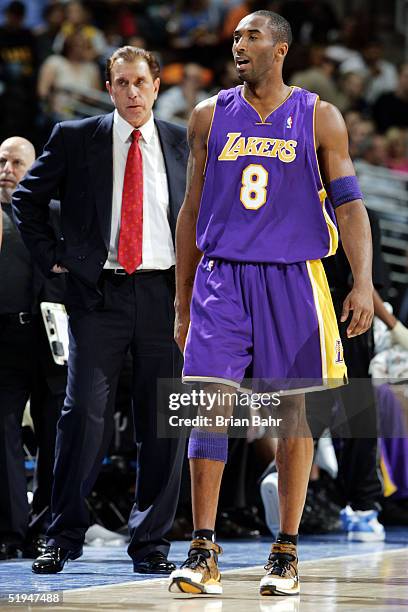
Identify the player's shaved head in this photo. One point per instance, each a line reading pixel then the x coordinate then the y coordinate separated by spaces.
pixel 282 32
pixel 17 154
pixel 260 43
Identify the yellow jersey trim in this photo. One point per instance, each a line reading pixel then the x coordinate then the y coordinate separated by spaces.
pixel 263 121
pixel 208 136
pixel 332 229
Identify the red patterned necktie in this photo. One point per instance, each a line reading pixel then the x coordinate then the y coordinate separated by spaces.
pixel 131 218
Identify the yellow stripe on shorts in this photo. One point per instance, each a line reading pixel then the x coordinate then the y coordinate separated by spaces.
pixel 331 349
pixel 389 486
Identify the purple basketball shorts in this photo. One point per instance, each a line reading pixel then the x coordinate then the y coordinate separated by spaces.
pixel 275 321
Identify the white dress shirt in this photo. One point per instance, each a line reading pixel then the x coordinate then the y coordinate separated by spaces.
pixel 157 248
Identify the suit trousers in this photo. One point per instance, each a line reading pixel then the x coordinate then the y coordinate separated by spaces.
pixel 137 313
pixel 26 372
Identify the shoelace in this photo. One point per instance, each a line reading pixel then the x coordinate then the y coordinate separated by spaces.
pixel 196 558
pixel 278 565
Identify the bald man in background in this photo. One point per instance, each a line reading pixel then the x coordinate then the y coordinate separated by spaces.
pixel 27 372
pixel 17 155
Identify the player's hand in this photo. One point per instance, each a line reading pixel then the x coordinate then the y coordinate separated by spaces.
pixel 181 323
pixel 360 302
pixel 399 335
pixel 58 269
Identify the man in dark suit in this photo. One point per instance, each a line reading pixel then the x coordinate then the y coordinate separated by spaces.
pixel 27 371
pixel 120 179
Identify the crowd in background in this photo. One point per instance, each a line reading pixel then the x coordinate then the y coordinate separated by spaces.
pixel 54 70
pixel 52 63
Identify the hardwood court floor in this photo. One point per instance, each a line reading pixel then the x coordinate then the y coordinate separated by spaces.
pixel 374 581
pixel 336 575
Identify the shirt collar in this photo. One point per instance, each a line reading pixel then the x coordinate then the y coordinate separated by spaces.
pixel 124 129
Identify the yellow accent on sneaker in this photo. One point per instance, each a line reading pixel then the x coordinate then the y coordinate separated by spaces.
pixel 281 576
pixel 199 573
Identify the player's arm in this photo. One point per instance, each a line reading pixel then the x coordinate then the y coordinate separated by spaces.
pixel 187 253
pixel 382 313
pixel 352 218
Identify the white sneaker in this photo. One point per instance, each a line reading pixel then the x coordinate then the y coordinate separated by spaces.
pixel 199 574
pixel 270 498
pixel 96 535
pixel 281 576
pixel 347 517
pixel 365 527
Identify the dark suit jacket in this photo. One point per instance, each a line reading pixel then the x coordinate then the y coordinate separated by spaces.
pixel 77 167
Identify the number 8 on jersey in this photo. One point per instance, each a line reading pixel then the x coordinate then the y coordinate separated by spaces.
pixel 253 190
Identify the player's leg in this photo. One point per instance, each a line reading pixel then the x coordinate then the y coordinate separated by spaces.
pixel 296 346
pixel 294 460
pixel 217 354
pixel 208 449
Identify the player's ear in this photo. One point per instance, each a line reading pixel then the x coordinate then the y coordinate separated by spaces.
pixel 282 49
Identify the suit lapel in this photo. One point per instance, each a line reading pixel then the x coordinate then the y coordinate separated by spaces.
pixel 100 162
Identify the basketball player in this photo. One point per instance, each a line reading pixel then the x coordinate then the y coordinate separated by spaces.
pixel 256 202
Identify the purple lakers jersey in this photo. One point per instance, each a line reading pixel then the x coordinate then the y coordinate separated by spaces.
pixel 263 198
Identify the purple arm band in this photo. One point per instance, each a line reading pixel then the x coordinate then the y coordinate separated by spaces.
pixel 208 445
pixel 344 189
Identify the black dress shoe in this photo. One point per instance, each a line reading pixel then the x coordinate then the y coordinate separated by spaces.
pixel 35 546
pixel 154 563
pixel 10 551
pixel 53 559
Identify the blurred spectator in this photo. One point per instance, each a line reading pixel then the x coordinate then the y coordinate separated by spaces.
pixel 197 24
pixel 319 78
pixel 381 75
pixel 226 76
pixel 17 74
pixel 78 20
pixel 54 15
pixel 352 34
pixel 391 109
pixel 33 12
pixel 67 77
pixel 351 119
pixel 137 41
pixel 359 132
pixel 374 150
pixel 310 21
pixel 238 12
pixel 177 103
pixel 352 85
pixel 348 40
pixel 158 14
pixel 397 149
